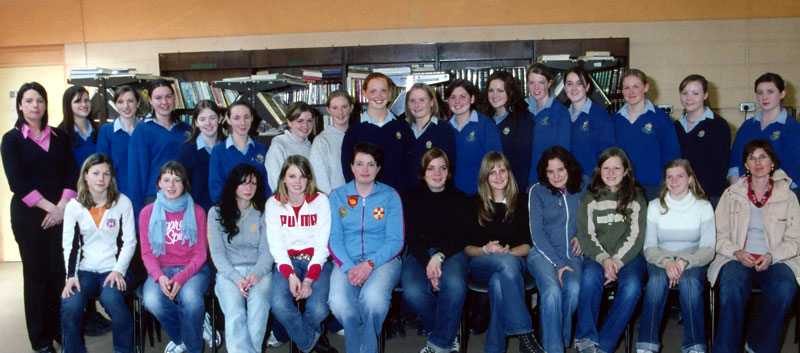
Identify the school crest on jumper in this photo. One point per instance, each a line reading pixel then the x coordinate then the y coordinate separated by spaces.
pixel 428 144
pixel 701 133
pixel 775 136
pixel 111 223
pixel 260 158
pixel 545 121
pixel 471 136
pixel 342 212
pixel 378 213
pixel 352 201
pixel 585 126
pixel 399 135
pixel 648 128
pixel 188 133
pixel 506 131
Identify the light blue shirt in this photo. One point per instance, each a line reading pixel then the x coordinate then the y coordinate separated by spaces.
pixel 201 143
pixel 434 120
pixel 229 142
pixel 473 118
pixel 368 119
pixel 648 107
pixel 118 125
pixel 88 132
pixel 584 109
pixel 781 118
pixel 533 105
pixel 498 120
pixel 708 114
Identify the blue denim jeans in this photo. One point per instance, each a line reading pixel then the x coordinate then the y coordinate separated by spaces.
pixel 439 313
pixel 630 280
pixel 690 288
pixel 508 313
pixel 735 283
pixel 303 328
pixel 245 318
pixel 183 317
pixel 112 299
pixel 361 310
pixel 557 302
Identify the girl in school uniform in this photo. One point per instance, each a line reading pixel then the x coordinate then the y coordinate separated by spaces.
pixel 592 129
pixel 326 151
pixel 196 151
pixel 293 141
pixel 173 238
pixel 237 237
pixel 77 124
pixel 298 221
pixel 379 126
pixel 113 137
pixel 476 135
pixel 550 117
pixel 95 259
pixel 771 123
pixel 510 114
pixel 42 175
pixel 422 114
pixel 645 133
pixel 704 137
pixel 611 219
pixel 497 246
pixel 156 141
pixel 239 147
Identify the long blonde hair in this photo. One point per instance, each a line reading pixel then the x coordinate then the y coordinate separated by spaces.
pixel 304 165
pixel 112 193
pixel 491 160
pixel 694 185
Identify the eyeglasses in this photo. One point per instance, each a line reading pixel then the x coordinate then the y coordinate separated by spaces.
pixel 760 157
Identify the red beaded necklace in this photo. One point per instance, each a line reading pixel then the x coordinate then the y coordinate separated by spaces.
pixel 751 194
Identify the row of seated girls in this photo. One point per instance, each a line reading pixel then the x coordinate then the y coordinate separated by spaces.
pixel 560 193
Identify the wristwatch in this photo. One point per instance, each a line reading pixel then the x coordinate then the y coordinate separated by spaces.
pixel 439 256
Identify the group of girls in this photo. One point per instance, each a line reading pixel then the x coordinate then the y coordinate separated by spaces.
pixel 160 177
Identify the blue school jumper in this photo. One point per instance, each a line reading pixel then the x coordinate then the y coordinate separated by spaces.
pixel 784 135
pixel 435 134
pixel 84 145
pixel 393 136
pixel 226 155
pixel 517 140
pixel 478 137
pixel 592 133
pixel 195 155
pixel 150 147
pixel 551 127
pixel 113 141
pixel 650 141
pixel 705 145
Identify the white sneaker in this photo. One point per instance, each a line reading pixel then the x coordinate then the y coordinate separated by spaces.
pixel 456 344
pixel 340 332
pixel 172 347
pixel 272 341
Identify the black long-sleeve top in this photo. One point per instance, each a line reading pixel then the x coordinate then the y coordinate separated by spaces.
pixel 514 232
pixel 436 222
pixel 28 167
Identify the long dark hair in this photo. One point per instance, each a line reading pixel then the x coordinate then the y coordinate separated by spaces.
pixel 515 105
pixel 160 82
pixel 626 193
pixel 73 94
pixel 574 171
pixel 227 207
pixel 198 108
pixel 20 92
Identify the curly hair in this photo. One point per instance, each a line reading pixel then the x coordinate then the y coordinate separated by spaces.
pixel 228 208
pixel 574 171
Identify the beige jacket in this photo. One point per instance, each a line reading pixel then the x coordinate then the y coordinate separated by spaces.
pixel 781 228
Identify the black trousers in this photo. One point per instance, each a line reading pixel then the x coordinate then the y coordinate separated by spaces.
pixel 42 271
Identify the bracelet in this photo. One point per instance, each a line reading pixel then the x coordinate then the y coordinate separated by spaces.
pixel 307 281
pixel 371 264
pixel 484 250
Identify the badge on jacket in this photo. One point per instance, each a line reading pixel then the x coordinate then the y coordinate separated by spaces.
pixel 352 201
pixel 378 213
pixel 111 223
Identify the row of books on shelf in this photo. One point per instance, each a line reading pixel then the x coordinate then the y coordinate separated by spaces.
pixel 188 94
pixel 610 81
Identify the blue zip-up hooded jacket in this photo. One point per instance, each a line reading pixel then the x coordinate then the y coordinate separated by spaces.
pixel 553 222
pixel 368 228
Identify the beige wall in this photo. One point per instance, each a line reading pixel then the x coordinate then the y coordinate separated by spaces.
pixel 52 78
pixel 730 53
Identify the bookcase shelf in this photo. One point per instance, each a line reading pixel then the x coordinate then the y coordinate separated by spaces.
pixel 469 59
